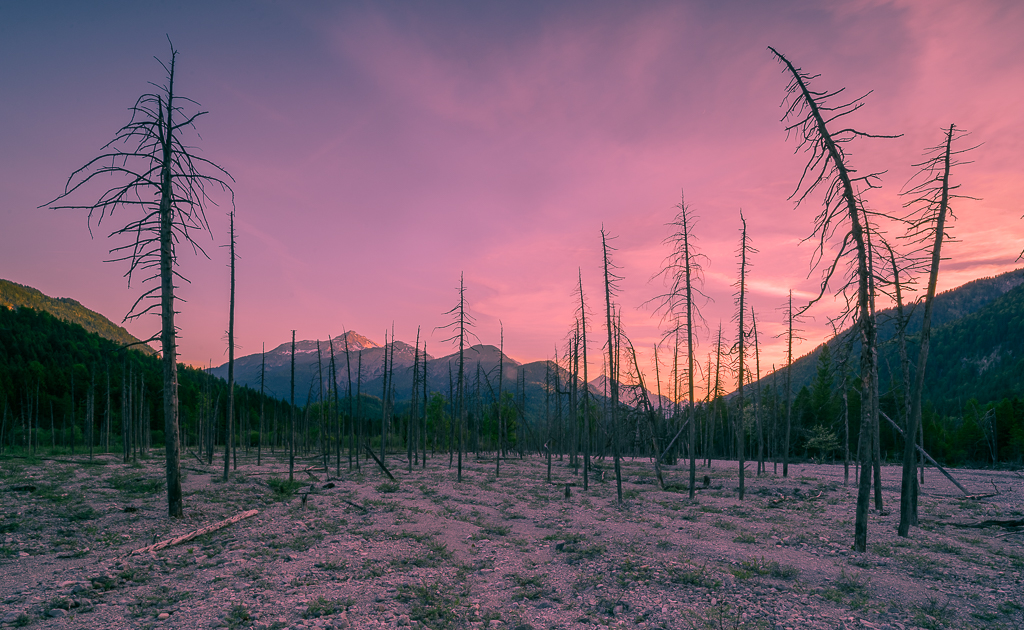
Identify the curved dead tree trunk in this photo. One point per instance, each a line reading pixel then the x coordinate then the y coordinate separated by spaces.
pixel 808 115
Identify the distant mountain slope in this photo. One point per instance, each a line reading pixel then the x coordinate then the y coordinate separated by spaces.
pixel 981 306
pixel 15 296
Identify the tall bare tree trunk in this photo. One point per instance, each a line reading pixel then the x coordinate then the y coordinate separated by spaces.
pixel 229 432
pixel 586 385
pixel 936 194
pixel 291 418
pixel 609 279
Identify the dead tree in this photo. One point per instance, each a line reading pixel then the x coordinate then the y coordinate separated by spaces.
pixel 291 419
pixel 501 378
pixel 610 289
pixel 741 348
pixel 757 407
pixel 164 180
pixel 263 372
pixel 683 273
pixel 229 429
pixel 461 327
pixel 931 200
pixel 586 383
pixel 808 115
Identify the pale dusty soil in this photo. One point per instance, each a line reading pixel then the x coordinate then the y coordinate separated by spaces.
pixel 509 552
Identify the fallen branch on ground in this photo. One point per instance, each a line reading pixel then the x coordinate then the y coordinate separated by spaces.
pixel 926 455
pixel 355 505
pixel 199 532
pixel 380 463
pixel 990 523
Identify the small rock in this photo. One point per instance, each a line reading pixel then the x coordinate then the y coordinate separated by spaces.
pixel 163 616
pixel 57 613
pixel 10 617
pixel 403 620
pixel 78 588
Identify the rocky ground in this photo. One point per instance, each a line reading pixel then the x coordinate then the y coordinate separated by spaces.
pixel 509 552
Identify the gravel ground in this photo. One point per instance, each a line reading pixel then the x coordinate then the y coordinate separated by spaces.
pixel 508 552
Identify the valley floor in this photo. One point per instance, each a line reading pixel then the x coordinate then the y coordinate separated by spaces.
pixel 507 552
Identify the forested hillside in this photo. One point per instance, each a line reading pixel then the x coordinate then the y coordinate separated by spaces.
pixel 974 386
pixel 64 388
pixel 950 306
pixel 15 296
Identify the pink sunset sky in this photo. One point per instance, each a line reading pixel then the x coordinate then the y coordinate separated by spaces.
pixel 380 149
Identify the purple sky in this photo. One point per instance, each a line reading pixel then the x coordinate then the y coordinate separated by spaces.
pixel 382 148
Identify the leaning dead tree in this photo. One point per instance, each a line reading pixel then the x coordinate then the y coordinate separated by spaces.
pixel 929 197
pixel 843 218
pixel 165 184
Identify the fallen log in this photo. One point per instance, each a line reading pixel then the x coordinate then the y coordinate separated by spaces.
pixel 926 455
pixel 199 532
pixel 355 505
pixel 989 523
pixel 380 463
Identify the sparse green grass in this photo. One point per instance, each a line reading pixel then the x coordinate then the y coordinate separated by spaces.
pixel 759 567
pixel 282 489
pixel 691 575
pixel 332 565
pixel 133 484
pixel 578 554
pixel 746 538
pixel 436 606
pixel 932 616
pixel 238 617
pixel 531 587
pixel 302 542
pixel 437 555
pixel 161 597
pixel 322 607
pixel 388 487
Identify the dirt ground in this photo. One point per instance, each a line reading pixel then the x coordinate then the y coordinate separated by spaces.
pixel 510 552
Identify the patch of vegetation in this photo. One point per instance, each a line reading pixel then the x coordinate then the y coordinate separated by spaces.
pixel 388 487
pixel 238 617
pixel 331 565
pixel 385 506
pixel 692 576
pixel 162 597
pixel 759 566
pixel 721 523
pixel 487 530
pixel 932 616
pixel 302 542
pixel 435 605
pixel 323 607
pixel 531 587
pixel 567 537
pixel 132 484
pixel 437 555
pixel 630 571
pixel 577 554
pixel 282 489
pixel 746 538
